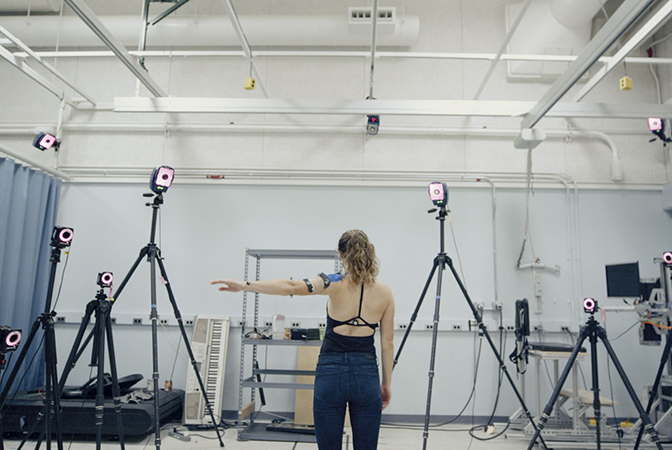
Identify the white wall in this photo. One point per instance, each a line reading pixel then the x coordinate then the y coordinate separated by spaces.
pixel 205 229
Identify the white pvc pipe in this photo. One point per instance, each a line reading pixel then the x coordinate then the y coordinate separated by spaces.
pixel 616 166
pixel 29 161
pixel 217 31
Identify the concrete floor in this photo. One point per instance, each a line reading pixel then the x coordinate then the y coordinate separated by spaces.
pixel 444 437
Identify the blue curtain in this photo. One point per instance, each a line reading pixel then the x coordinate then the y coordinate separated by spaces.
pixel 28 206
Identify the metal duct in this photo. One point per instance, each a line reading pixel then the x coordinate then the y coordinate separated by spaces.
pixel 574 13
pixel 550 27
pixel 269 31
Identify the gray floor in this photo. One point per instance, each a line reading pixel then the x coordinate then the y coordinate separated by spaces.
pixel 454 437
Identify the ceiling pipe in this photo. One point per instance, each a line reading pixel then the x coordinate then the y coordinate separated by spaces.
pixel 17 156
pixel 374 33
pixel 338 54
pixel 616 166
pixel 211 31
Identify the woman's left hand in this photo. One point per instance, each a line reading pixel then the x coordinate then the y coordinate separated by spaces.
pixel 230 285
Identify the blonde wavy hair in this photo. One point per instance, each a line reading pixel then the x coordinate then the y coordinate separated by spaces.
pixel 359 256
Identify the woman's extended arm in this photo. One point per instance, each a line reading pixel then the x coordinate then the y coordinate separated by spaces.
pixel 387 351
pixel 274 287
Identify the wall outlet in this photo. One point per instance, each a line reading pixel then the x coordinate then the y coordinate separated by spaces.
pixel 163 321
pixel 268 324
pixel 402 326
pixel 60 319
pixel 321 325
pixel 429 326
pixel 457 327
pixel 137 321
pixel 296 324
pixel 113 319
pixel 189 322
pixel 510 328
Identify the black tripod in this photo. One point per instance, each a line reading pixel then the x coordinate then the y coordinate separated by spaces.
pixel 665 280
pixel 153 254
pixel 440 263
pixel 46 320
pixel 101 306
pixel 592 330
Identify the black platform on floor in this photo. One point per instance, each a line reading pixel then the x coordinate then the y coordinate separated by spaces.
pixel 78 415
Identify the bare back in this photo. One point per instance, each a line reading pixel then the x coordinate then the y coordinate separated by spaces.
pixel 344 304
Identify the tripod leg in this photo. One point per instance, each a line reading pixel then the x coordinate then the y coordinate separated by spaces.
pixel 432 359
pixel 646 420
pixel 493 346
pixel 192 358
pixel 654 389
pixel 558 387
pixel 597 408
pixel 72 358
pixel 115 381
pixel 52 399
pixel 417 309
pixel 100 377
pixel 143 253
pixel 154 317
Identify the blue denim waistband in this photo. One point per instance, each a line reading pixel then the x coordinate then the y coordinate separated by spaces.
pixel 348 357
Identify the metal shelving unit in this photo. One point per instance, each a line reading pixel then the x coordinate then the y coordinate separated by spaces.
pixel 257 431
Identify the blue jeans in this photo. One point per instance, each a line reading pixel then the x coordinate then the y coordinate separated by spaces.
pixel 352 379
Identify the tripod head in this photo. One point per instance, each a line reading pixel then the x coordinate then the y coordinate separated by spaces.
pixel 158 199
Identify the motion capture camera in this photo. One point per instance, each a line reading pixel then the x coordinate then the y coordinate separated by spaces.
pixel 372 124
pixel 667 258
pixel 9 339
pixel 438 193
pixel 162 179
pixel 61 237
pixel 105 279
pixel 590 305
pixel 45 141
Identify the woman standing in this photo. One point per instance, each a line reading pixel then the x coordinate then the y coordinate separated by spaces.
pixel 347 371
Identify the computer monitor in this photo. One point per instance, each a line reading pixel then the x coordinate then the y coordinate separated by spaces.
pixel 623 280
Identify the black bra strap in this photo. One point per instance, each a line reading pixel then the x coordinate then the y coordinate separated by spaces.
pixel 361 297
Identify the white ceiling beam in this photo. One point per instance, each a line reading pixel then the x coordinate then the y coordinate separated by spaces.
pixel 84 12
pixel 620 21
pixel 635 41
pixel 29 52
pixel 384 107
pixel 233 17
